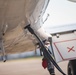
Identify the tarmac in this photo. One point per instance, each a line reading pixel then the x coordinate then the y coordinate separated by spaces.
pixel 30 66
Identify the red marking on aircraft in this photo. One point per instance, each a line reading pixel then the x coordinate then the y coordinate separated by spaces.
pixel 71 49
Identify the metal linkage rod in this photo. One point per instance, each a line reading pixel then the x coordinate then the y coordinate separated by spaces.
pixel 2 51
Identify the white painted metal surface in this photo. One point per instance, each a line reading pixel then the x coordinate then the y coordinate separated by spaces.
pixel 65 46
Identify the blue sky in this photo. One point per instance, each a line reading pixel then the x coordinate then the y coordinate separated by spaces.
pixel 62 12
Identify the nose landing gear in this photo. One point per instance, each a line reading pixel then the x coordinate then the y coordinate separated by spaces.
pixel 46 53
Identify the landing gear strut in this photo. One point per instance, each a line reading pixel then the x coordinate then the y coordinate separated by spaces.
pixel 48 56
pixel 46 63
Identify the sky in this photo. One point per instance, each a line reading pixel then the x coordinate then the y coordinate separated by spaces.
pixel 61 12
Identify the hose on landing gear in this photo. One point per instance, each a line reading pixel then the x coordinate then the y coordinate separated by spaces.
pixel 45 51
pixel 46 63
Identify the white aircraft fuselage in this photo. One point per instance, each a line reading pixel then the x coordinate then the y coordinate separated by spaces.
pixel 14 16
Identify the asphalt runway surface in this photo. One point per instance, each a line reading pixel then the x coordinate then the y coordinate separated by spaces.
pixel 30 66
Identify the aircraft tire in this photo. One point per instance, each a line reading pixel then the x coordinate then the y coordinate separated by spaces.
pixel 72 67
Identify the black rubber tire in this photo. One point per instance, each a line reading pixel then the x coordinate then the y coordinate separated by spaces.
pixel 72 67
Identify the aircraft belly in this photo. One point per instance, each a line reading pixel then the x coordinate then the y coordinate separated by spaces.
pixel 16 14
pixel 17 41
pixel 13 12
